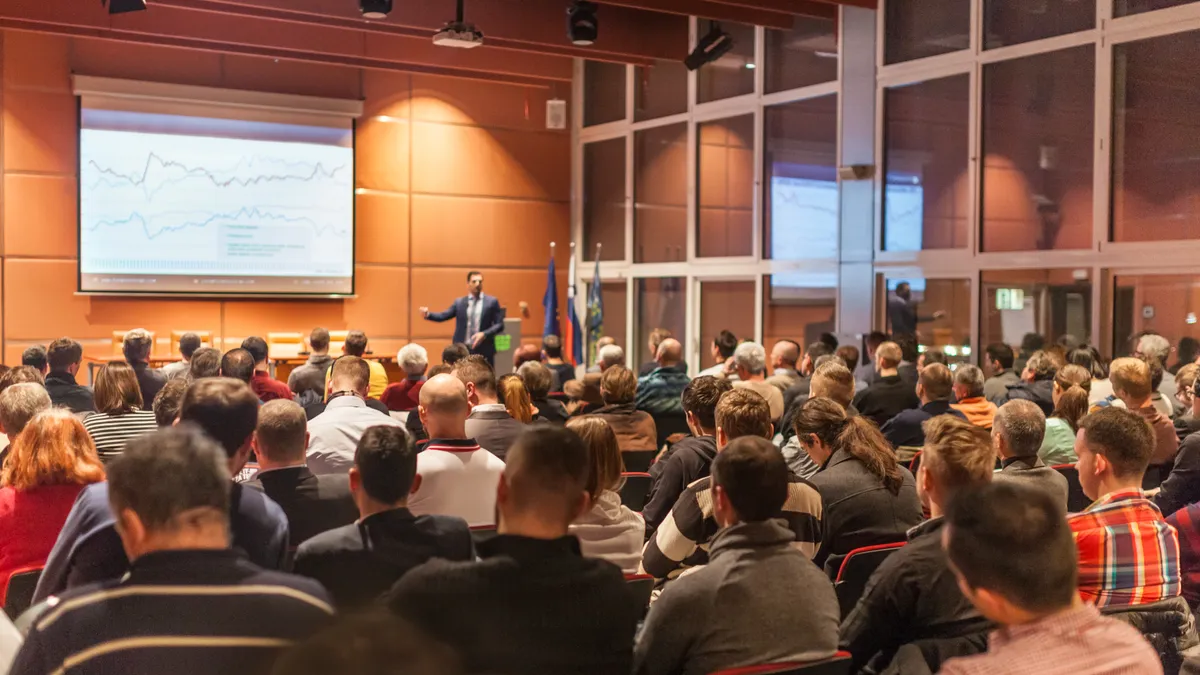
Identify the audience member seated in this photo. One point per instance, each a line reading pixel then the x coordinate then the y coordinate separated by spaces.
pixel 406 394
pixel 887 394
pixel 46 469
pixel 1037 382
pixel 910 355
pixel 334 434
pixel 374 642
pixel 533 603
pixel 1131 384
pixel 489 424
pixel 785 355
pixel 313 504
pixel 930 357
pixel 307 382
pixel 359 561
pixel 1128 555
pixel 526 353
pixel 658 391
pixel 356 344
pixel 749 362
pixel 913 597
pixel 37 358
pixel 88 548
pixel 563 371
pixel 188 344
pixel 682 539
pixel 865 371
pixel 720 352
pixel 206 362
pixel 688 460
pixel 808 365
pixel 971 402
pixel 998 365
pixel 758 600
pixel 264 386
pixel 1182 486
pixel 601 343
pixel 188 599
pixel 1165 406
pixel 832 380
pixel 19 403
pixel 935 384
pixel 238 364
pixel 21 375
pixel 609 530
pixel 121 412
pixel 1017 437
pixel 1186 422
pixel 868 497
pixel 634 428
pixel 456 476
pixel 538 379
pixel 1154 347
pixel 656 338
pixel 512 394
pixel 1013 557
pixel 170 398
pixel 1071 385
pixel 584 394
pixel 136 347
pixel 65 357
pixel 1030 343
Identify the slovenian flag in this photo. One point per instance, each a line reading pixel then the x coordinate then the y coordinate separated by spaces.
pixel 573 341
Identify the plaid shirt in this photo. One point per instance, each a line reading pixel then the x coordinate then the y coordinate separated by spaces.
pixel 1076 641
pixel 1128 555
pixel 1186 522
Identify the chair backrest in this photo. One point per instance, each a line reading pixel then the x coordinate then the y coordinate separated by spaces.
pixel 856 569
pixel 839 664
pixel 634 490
pixel 337 338
pixel 284 345
pixel 667 425
pixel 915 463
pixel 18 594
pixel 642 586
pixel 638 461
pixel 482 533
pixel 1076 500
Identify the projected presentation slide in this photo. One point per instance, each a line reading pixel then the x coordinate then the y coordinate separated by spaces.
pixel 175 204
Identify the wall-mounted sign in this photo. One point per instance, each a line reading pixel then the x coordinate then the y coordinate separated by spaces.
pixel 1010 298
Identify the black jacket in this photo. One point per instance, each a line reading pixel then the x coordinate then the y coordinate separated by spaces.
pixel 313 504
pixel 912 597
pixel 359 562
pixel 1186 425
pixel 858 509
pixel 1182 486
pixel 150 380
pixel 550 410
pixel 905 429
pixel 690 460
pixel 529 607
pixel 1040 392
pixel 885 398
pixel 66 393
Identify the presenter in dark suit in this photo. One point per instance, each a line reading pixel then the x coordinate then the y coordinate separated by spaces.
pixel 479 318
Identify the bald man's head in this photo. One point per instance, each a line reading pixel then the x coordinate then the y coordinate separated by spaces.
pixel 670 352
pixel 444 407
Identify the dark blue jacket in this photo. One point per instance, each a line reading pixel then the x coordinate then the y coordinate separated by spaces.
pixel 491 323
pixel 905 428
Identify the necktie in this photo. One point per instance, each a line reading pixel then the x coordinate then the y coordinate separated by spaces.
pixel 472 317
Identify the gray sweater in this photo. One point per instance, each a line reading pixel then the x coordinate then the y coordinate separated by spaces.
pixel 759 600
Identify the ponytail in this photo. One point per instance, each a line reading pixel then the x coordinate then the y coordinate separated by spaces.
pixel 862 439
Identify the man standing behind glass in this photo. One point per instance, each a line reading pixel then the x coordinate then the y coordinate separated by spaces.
pixel 902 311
pixel 479 318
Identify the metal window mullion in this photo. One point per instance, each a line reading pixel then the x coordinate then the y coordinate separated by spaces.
pixel 1102 147
pixel 630 197
pixel 693 190
pixel 975 162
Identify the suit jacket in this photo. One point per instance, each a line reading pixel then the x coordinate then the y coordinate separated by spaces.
pixel 66 393
pixel 905 428
pixel 550 410
pixel 1033 472
pixel 491 322
pixel 494 430
pixel 312 504
pixel 149 381
pixel 358 562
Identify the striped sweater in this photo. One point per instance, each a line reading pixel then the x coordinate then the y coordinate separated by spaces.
pixel 112 432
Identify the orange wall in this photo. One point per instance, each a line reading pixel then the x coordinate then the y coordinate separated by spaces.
pixel 453 175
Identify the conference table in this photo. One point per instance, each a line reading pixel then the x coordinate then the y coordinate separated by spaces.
pixel 280 368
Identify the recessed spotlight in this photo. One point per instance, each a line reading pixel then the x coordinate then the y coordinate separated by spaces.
pixel 125 6
pixel 582 26
pixel 710 48
pixel 750 66
pixel 375 9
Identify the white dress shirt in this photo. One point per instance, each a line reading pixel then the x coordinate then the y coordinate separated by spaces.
pixel 333 435
pixel 458 478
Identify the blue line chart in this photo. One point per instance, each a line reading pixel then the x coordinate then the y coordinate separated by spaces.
pixel 109 177
pixel 244 212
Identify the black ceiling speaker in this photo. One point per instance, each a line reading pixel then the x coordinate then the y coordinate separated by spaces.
pixel 125 6
pixel 710 48
pixel 375 9
pixel 582 26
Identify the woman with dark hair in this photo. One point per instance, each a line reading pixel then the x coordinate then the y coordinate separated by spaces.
pixel 120 415
pixel 868 497
pixel 1071 387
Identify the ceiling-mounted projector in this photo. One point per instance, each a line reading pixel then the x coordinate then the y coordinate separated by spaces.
pixel 458 34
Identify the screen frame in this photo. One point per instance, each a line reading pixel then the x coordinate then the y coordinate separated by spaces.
pixel 223 294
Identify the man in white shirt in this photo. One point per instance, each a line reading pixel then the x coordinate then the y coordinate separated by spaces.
pixel 458 478
pixel 334 434
pixel 750 363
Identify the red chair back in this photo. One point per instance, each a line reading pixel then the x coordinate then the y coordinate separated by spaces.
pixel 635 489
pixel 1076 500
pixel 17 594
pixel 856 569
pixel 839 664
pixel 641 585
pixel 915 463
pixel 638 461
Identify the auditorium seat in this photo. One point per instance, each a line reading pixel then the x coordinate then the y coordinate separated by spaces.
pixel 482 533
pixel 1076 500
pixel 638 461
pixel 915 463
pixel 634 489
pixel 284 345
pixel 836 665
pixel 17 595
pixel 337 340
pixel 642 586
pixel 856 569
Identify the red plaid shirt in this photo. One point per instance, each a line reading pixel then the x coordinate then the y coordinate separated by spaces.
pixel 1186 522
pixel 1128 555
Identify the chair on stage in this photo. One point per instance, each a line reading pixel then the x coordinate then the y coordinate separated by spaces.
pixel 284 345
pixel 337 340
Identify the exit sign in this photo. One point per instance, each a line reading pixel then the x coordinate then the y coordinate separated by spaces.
pixel 1010 298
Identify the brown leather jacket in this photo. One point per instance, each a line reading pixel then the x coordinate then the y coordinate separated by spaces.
pixel 634 428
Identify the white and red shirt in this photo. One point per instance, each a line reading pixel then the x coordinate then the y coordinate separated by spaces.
pixel 458 478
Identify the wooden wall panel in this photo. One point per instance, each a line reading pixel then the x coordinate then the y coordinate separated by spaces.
pixel 485 104
pixel 482 231
pixel 381 227
pixel 290 77
pixel 40 214
pixel 105 58
pixel 462 160
pixel 40 131
pixel 381 160
pixel 381 305
pixel 36 61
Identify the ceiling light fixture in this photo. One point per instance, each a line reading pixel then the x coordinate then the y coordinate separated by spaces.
pixel 375 9
pixel 124 6
pixel 710 48
pixel 458 33
pixel 582 26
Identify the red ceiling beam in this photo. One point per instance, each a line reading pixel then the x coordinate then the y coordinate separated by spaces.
pixel 708 9
pixel 812 8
